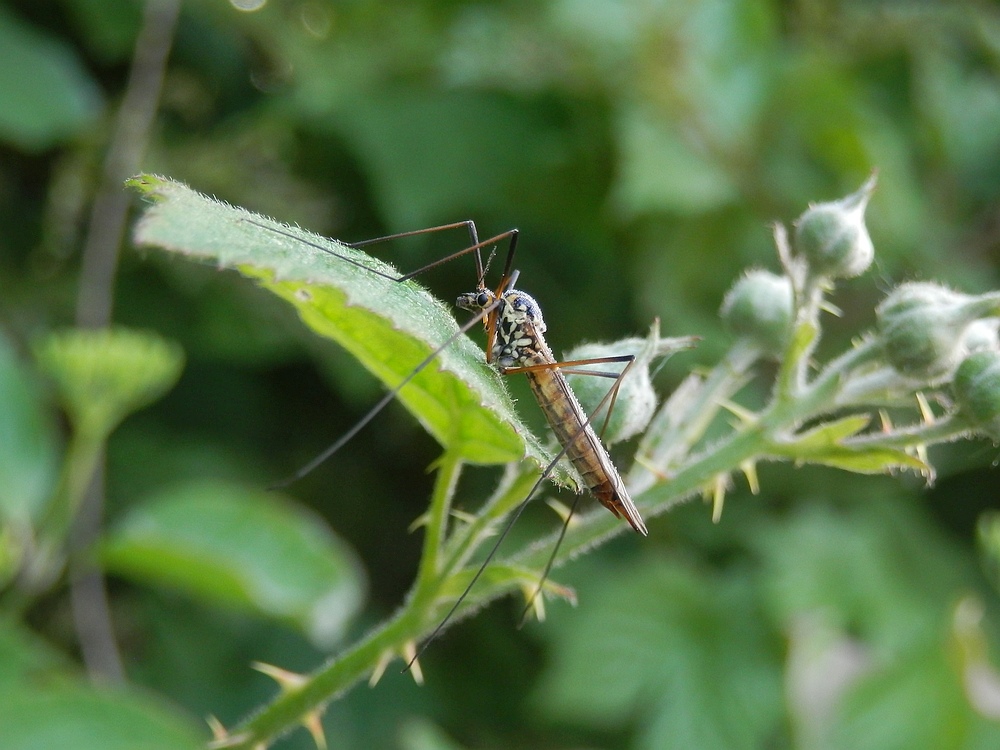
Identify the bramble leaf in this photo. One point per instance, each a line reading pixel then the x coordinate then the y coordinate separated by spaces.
pixel 389 326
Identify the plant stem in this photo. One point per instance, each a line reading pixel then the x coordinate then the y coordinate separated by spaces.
pixel 448 471
pixel 336 676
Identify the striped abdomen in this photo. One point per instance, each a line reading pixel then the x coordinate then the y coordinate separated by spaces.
pixel 583 447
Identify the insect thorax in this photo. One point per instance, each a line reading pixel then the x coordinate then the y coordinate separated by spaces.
pixel 519 330
pixel 519 326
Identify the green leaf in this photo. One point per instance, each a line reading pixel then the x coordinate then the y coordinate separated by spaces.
pixel 46 96
pixel 832 433
pixel 104 375
pixel 690 648
pixel 84 718
pixel 28 454
pixel 824 445
pixel 26 659
pixel 390 327
pixel 421 734
pixel 877 570
pixel 915 701
pixel 234 546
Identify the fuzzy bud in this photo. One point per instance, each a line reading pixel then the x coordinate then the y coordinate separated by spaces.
pixel 982 335
pixel 636 400
pixel 833 238
pixel 977 391
pixel 923 327
pixel 758 308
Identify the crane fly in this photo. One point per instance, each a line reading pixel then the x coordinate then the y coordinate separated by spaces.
pixel 515 344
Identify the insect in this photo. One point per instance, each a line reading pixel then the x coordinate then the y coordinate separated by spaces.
pixel 515 344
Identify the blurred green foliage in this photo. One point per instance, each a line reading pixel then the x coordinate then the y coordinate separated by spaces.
pixel 641 147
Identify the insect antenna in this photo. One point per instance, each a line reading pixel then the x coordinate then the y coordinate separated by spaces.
pixel 475 247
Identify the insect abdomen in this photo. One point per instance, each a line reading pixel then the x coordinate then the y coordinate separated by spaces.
pixel 583 448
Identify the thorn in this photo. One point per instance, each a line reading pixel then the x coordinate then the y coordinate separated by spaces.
pixel 886 421
pixel 380 666
pixel 929 472
pixel 313 722
pixel 718 497
pixel 463 516
pixel 538 605
pixel 535 600
pixel 646 462
pixel 745 416
pixel 410 656
pixel 418 522
pixel 219 732
pixel 925 409
pixel 226 740
pixel 288 681
pixel 749 469
pixel 831 308
pixel 566 593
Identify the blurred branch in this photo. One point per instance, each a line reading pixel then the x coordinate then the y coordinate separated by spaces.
pixel 128 144
pixel 94 305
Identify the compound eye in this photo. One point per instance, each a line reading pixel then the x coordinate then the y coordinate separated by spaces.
pixel 483 299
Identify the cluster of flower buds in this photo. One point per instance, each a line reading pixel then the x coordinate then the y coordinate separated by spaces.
pixel 927 337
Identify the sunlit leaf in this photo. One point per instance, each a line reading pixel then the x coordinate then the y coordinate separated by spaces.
pixel 390 327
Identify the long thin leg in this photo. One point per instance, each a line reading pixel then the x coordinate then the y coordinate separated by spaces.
pixel 382 403
pixel 509 235
pixel 610 395
pixel 628 358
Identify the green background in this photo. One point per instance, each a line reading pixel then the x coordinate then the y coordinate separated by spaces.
pixel 642 148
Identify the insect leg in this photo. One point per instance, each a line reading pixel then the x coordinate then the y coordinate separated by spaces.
pixel 475 247
pixel 612 396
pixel 382 403
pixel 566 368
pixel 516 513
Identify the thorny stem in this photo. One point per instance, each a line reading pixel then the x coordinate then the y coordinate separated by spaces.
pixel 671 436
pixel 677 462
pixel 444 558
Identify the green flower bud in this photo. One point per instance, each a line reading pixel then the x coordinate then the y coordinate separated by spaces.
pixel 977 391
pixel 833 238
pixel 923 327
pixel 981 335
pixel 758 307
pixel 636 400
